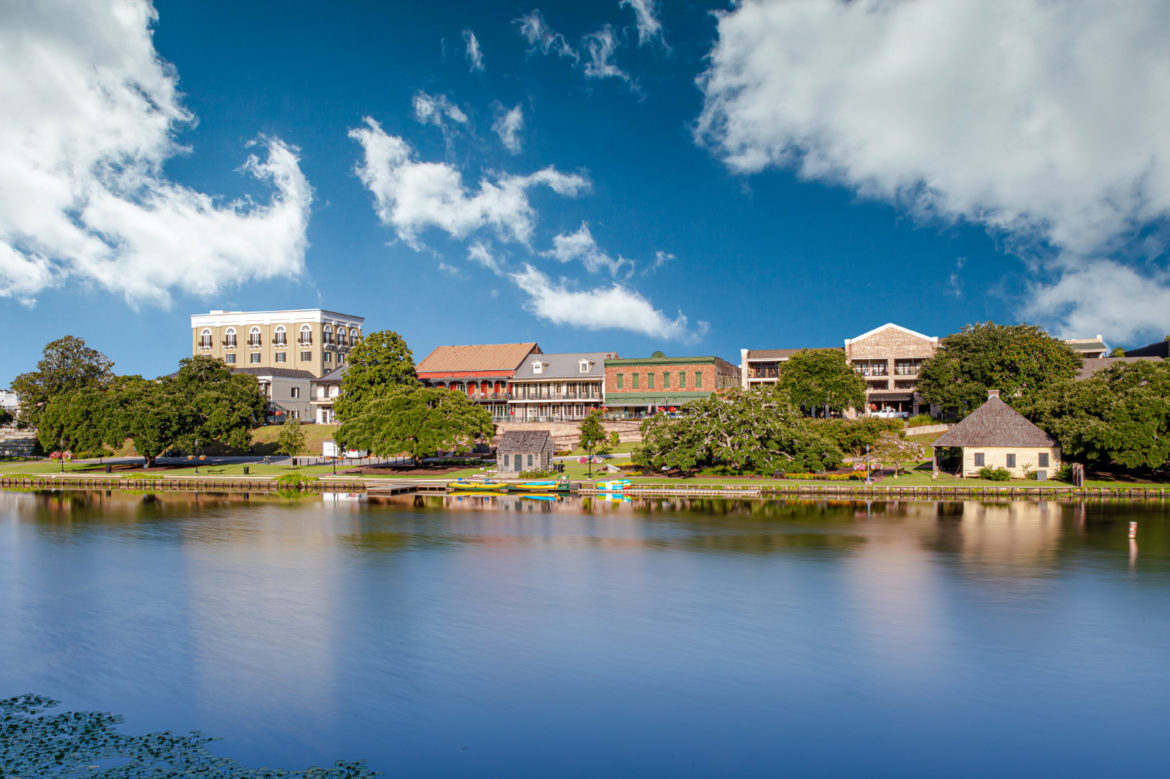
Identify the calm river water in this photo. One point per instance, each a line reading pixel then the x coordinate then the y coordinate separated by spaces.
pixel 508 638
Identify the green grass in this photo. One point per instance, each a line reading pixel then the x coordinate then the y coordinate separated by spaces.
pixel 264 438
pixel 622 448
pixel 923 438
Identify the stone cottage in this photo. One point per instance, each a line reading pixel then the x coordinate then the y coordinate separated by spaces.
pixel 995 435
pixel 524 450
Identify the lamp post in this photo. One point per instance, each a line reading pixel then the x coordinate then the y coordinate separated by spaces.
pixel 867 463
pixel 196 456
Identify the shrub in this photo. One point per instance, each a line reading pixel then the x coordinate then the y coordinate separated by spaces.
pixel 994 474
pixel 1064 473
pixel 295 481
pixel 920 420
pixel 537 474
pixel 853 435
pixel 850 476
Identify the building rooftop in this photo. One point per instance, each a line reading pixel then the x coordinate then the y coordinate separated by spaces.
pixel 564 366
pixel 259 317
pixel 523 441
pixel 995 423
pixel 1156 349
pixel 283 373
pixel 905 330
pixel 500 358
pixel 1090 368
pixel 771 354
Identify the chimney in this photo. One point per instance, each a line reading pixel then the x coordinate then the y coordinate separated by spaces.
pixel 992 394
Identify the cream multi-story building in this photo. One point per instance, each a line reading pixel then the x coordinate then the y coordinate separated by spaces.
pixel 890 357
pixel 307 339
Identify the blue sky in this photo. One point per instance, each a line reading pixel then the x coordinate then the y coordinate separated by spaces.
pixel 781 174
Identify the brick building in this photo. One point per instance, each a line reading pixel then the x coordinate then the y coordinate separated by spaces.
pixel 640 386
pixel 483 371
pixel 762 366
pixel 889 357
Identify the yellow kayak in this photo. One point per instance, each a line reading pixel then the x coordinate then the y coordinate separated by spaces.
pixel 475 486
pixel 535 486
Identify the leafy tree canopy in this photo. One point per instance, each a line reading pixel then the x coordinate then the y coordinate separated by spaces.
pixel 743 432
pixel 82 421
pixel 1119 416
pixel 416 421
pixel 67 364
pixel 1018 360
pixel 821 380
pixel 377 366
pixel 203 403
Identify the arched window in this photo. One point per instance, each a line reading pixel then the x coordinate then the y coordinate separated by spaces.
pixel 229 338
pixel 205 338
pixel 342 340
pixel 279 336
pixel 328 336
pixel 306 338
pixel 254 336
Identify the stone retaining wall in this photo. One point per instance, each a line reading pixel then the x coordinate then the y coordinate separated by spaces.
pixel 566 434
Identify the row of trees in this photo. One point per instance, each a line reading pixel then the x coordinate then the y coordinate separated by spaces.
pixel 203 403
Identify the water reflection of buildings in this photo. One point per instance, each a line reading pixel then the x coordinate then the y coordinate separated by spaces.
pixel 996 536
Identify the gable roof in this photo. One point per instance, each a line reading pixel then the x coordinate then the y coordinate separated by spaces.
pixel 564 366
pixel 503 358
pixel 906 330
pixel 334 376
pixel 523 441
pixel 995 423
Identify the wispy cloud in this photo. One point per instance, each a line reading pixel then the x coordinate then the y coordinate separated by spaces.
pixel 437 110
pixel 600 46
pixel 580 245
pixel 601 308
pixel 646 18
pixel 543 38
pixel 508 125
pixel 89 117
pixel 474 55
pixel 411 196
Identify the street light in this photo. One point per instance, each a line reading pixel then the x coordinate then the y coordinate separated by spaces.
pixel 867 463
pixel 196 456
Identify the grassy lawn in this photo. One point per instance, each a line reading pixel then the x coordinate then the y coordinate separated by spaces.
pixel 264 438
pixel 622 448
pixel 923 438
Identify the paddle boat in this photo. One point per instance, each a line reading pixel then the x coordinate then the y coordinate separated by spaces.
pixel 613 485
pixel 536 486
pixel 476 486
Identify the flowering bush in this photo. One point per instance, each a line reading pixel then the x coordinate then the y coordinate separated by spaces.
pixel 56 456
pixel 851 476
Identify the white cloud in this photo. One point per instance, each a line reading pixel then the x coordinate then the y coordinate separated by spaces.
pixel 474 55
pixel 479 253
pixel 661 258
pixel 1045 122
pixel 87 125
pixel 954 281
pixel 429 109
pixel 450 270
pixel 1102 296
pixel 543 38
pixel 646 17
pixel 508 125
pixel 582 246
pixel 601 308
pixel 600 46
pixel 411 196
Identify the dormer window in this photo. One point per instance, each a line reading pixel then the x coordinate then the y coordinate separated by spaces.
pixel 538 367
pixel 583 366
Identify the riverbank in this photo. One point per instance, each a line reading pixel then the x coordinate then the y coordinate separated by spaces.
pixel 690 488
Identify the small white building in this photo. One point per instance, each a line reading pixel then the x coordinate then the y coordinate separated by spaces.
pixel 995 435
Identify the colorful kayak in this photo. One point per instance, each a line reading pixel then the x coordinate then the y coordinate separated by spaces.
pixel 475 486
pixel 613 485
pixel 535 486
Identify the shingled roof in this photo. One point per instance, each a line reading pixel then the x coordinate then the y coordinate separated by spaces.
pixel 995 423
pixel 501 358
pixel 523 441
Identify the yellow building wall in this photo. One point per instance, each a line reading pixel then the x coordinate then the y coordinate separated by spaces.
pixel 1027 459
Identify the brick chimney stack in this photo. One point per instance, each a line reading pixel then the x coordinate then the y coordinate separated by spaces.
pixel 992 394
